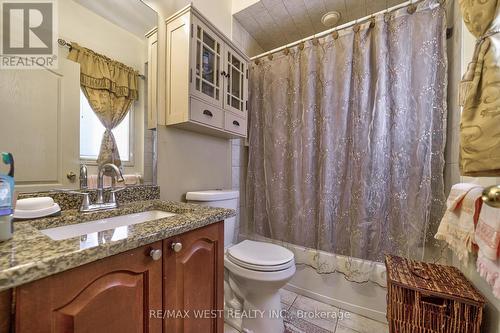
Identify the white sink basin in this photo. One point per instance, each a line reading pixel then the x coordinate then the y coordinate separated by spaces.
pixel 80 229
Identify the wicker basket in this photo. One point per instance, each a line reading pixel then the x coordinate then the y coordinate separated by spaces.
pixel 430 298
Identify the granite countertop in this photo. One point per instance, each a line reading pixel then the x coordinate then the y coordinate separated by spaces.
pixel 31 255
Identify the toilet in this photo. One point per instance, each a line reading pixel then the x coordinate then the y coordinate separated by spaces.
pixel 254 272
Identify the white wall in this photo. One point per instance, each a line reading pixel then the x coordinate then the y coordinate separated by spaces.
pixel 239 5
pixel 243 40
pixel 216 11
pixel 80 25
pixel 189 161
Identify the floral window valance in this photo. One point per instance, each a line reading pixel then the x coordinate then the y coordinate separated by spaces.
pixel 110 87
pixel 100 72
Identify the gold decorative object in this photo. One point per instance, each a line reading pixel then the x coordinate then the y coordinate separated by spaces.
pixel 491 196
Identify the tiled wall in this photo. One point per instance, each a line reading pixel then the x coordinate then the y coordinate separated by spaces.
pixel 239 162
pixel 239 152
pixel 148 141
pixel 454 45
pixel 148 156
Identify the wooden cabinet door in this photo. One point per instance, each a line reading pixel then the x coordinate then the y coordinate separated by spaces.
pixel 194 281
pixel 115 294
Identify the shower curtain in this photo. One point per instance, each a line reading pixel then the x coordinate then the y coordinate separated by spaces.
pixel 346 139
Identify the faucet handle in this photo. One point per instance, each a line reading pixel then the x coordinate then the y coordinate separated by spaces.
pixel 119 189
pixel 85 200
pixel 62 190
pixel 112 196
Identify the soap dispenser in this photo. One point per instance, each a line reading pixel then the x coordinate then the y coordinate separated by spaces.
pixel 6 198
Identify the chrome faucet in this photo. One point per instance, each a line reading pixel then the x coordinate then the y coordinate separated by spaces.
pixel 86 206
pixel 83 177
pixel 100 181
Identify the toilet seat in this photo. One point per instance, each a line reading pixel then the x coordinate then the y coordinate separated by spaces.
pixel 260 256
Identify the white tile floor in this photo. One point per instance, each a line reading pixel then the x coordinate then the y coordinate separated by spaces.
pixel 300 318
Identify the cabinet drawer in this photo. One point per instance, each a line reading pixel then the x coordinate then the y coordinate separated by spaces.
pixel 235 124
pixel 206 114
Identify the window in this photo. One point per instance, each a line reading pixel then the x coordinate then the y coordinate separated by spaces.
pixel 91 131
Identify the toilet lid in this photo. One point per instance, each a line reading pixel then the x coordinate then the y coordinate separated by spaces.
pixel 260 256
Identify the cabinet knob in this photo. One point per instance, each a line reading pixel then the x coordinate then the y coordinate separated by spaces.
pixel 208 113
pixel 155 254
pixel 71 176
pixel 176 247
pixel 236 123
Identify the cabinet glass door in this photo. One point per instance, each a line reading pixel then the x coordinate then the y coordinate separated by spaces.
pixel 207 63
pixel 236 84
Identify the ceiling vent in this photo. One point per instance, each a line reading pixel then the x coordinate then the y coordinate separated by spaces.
pixel 331 19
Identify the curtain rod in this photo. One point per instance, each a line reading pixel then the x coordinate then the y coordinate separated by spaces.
pixel 343 26
pixel 64 43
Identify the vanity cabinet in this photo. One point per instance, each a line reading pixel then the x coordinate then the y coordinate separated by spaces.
pixel 108 295
pixel 206 77
pixel 134 291
pixel 194 280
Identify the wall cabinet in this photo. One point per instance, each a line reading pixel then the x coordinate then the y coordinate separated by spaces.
pixel 206 77
pixel 118 293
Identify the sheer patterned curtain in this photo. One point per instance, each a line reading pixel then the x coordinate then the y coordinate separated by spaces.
pixel 347 137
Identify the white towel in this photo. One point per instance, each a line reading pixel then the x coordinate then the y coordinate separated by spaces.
pixel 457 225
pixel 488 232
pixel 487 237
pixel 490 271
pixel 457 194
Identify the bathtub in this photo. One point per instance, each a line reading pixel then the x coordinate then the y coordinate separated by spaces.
pixel 320 275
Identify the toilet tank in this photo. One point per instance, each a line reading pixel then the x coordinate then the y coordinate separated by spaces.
pixel 220 199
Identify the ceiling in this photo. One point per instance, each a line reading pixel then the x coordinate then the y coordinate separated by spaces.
pixel 131 15
pixel 273 23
